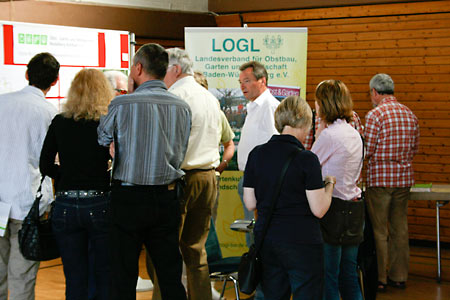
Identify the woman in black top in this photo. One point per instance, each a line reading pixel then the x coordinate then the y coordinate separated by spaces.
pixel 81 181
pixel 291 253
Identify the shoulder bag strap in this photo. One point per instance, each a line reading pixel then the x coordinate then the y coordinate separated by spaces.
pixel 38 200
pixel 276 196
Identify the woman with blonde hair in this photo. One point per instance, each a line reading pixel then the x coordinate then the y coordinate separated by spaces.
pixel 339 148
pixel 79 217
pixel 292 247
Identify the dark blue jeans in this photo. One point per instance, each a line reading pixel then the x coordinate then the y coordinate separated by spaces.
pixel 292 269
pixel 78 223
pixel 341 275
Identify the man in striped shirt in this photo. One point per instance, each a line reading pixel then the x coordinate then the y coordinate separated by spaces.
pixel 150 129
pixel 392 139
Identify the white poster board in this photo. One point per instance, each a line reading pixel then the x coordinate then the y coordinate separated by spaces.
pixel 75 48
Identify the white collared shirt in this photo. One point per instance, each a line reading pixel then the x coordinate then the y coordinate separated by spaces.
pixel 24 119
pixel 202 151
pixel 259 125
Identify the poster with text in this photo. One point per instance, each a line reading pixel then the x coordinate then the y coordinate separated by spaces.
pixel 218 53
pixel 75 48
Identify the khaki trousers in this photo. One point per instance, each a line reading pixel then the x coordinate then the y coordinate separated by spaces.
pixel 388 211
pixel 200 193
pixel 17 274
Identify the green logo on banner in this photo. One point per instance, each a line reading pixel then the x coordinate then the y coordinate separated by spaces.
pixel 273 42
pixel 21 38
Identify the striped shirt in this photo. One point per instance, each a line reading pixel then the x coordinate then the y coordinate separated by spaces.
pixel 150 129
pixel 24 119
pixel 392 140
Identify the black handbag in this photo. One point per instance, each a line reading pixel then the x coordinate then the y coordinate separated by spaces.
pixel 343 224
pixel 36 239
pixel 249 272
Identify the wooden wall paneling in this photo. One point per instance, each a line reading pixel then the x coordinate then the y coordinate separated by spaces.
pixel 348 12
pixel 233 20
pixel 409 41
pixel 231 6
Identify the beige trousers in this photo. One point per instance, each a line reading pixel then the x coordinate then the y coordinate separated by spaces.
pixel 17 274
pixel 388 211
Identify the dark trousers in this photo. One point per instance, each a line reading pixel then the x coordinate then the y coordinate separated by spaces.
pixel 292 269
pixel 148 215
pixel 80 223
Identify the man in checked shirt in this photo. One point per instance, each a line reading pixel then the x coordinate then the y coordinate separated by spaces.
pixel 392 139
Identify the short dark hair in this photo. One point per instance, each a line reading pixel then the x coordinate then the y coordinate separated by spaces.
pixel 153 58
pixel 42 70
pixel 259 71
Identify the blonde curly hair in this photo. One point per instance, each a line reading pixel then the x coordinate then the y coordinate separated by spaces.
pixel 89 96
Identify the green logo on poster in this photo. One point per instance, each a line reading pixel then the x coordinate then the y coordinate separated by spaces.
pixel 21 38
pixel 29 38
pixel 273 42
pixel 43 40
pixel 36 39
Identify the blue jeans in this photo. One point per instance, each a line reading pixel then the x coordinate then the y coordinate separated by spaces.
pixel 78 223
pixel 292 269
pixel 341 275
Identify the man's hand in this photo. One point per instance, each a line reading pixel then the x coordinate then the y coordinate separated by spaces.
pixel 111 149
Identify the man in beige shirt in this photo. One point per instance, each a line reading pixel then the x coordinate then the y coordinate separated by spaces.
pixel 201 160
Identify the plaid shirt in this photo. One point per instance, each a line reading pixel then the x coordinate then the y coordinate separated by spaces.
pixel 392 140
pixel 309 141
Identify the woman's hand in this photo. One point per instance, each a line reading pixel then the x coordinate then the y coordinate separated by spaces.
pixel 319 200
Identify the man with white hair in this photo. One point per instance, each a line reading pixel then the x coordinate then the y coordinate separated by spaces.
pixel 202 157
pixel 392 140
pixel 118 80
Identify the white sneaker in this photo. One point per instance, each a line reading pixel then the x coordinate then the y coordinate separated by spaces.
pixel 144 285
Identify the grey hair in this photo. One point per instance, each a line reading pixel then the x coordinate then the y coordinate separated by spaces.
pixel 180 57
pixel 383 84
pixel 114 76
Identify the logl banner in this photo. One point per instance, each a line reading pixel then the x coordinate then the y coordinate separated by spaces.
pixel 218 53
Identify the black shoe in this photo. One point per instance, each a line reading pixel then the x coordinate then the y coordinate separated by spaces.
pixel 397 284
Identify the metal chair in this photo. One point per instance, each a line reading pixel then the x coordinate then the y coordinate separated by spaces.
pixel 224 269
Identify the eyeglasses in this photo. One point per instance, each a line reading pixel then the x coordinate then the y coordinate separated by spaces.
pixel 121 92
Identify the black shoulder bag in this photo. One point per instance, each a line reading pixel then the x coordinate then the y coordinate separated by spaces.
pixel 36 239
pixel 249 273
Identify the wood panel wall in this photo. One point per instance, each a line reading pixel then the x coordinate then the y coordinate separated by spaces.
pixel 409 41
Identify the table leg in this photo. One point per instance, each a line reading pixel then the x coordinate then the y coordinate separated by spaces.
pixel 438 241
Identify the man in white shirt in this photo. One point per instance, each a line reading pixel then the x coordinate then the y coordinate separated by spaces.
pixel 259 125
pixel 202 157
pixel 24 119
